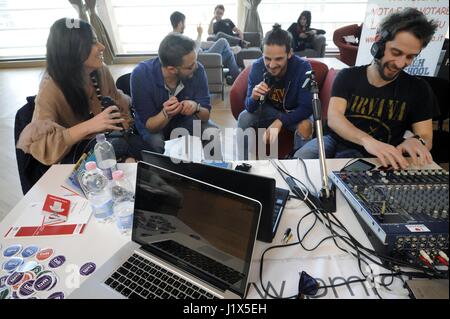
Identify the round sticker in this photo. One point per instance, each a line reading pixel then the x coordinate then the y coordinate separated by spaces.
pixel 28 266
pixel 30 251
pixel 87 269
pixel 3 282
pixel 12 250
pixel 43 282
pixel 26 289
pixel 12 264
pixel 4 294
pixel 44 254
pixel 14 278
pixel 37 270
pixel 57 261
pixel 56 295
pixel 26 276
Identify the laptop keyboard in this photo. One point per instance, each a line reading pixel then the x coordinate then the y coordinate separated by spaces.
pixel 139 278
pixel 227 274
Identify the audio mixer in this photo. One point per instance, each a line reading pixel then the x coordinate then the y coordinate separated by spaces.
pixel 403 212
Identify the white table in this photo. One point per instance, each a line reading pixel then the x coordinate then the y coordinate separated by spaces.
pixel 282 267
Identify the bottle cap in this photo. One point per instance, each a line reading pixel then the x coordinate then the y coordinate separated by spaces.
pixel 91 165
pixel 100 138
pixel 116 175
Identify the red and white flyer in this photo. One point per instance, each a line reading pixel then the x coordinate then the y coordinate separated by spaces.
pixel 56 210
pixel 32 222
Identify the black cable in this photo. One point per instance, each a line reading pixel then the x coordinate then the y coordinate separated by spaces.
pixel 350 241
pixel 307 175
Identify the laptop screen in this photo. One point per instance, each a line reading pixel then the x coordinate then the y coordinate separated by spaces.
pixel 254 186
pixel 205 230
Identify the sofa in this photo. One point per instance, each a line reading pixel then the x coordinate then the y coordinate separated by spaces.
pixel 324 77
pixel 318 50
pixel 252 52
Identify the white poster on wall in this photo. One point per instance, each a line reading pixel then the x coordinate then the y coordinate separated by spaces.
pixel 425 63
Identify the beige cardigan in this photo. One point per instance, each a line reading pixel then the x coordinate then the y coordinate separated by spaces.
pixel 47 137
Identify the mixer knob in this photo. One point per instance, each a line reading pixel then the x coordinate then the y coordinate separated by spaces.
pixel 435 214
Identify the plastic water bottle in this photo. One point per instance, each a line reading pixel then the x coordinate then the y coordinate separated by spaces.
pixel 105 156
pixel 121 188
pixel 95 185
pixel 123 198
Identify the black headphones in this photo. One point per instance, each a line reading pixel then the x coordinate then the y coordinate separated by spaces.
pixel 377 49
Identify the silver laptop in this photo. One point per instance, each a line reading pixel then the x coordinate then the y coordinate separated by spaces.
pixel 190 239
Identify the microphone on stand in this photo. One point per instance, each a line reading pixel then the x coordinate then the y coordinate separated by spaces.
pixel 327 196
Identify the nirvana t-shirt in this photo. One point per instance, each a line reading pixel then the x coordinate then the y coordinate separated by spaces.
pixel 385 113
pixel 275 97
pixel 224 25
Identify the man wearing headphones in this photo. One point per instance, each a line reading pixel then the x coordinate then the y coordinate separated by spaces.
pixel 372 106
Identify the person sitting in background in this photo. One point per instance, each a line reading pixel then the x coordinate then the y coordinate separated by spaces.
pixel 372 106
pixel 221 46
pixel 302 33
pixel 68 112
pixel 283 102
pixel 225 28
pixel 171 92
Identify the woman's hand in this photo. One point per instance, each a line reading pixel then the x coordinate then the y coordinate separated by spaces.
pixel 108 120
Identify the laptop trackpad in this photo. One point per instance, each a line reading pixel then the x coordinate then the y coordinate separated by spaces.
pixel 217 255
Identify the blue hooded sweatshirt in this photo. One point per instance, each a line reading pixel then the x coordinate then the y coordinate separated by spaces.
pixel 297 101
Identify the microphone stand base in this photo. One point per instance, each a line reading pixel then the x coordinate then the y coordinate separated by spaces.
pixel 328 203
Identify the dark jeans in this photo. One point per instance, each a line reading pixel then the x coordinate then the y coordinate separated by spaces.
pixel 332 149
pixel 124 147
pixel 261 118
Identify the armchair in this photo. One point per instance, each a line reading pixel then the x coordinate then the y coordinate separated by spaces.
pixel 212 62
pixel 318 50
pixel 347 51
pixel 238 92
pixel 252 52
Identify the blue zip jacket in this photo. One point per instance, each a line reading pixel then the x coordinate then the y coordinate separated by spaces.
pixel 148 91
pixel 297 101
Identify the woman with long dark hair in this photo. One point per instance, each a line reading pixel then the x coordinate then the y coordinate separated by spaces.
pixel 302 33
pixel 68 112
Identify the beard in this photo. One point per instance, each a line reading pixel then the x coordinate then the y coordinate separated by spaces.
pixel 182 77
pixel 381 67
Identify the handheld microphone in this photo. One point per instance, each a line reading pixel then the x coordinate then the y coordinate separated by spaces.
pixel 268 79
pixel 108 101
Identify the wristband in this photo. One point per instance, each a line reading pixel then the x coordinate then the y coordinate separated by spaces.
pixel 197 110
pixel 421 140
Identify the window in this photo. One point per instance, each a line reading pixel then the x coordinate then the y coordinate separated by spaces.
pixel 25 24
pixel 140 25
pixel 328 15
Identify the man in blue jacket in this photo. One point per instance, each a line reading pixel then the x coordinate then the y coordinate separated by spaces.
pixel 171 92
pixel 275 97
